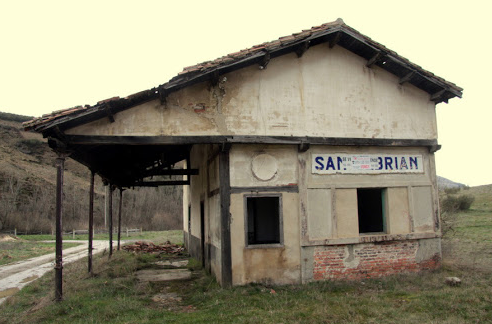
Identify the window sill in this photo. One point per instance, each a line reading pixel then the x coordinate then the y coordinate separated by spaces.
pixel 265 246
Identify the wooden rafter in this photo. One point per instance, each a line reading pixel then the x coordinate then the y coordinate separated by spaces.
pixel 376 58
pixel 302 48
pixel 335 39
pixel 407 77
pixel 437 96
pixel 265 60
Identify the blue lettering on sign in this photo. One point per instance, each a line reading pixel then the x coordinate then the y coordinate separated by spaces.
pixel 413 161
pixel 339 161
pixel 396 163
pixel 388 161
pixel 319 160
pixel 380 163
pixel 330 164
pixel 403 164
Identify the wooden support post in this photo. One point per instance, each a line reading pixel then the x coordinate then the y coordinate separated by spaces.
pixel 225 216
pixel 119 218
pixel 110 219
pixel 60 165
pixel 106 205
pixel 91 220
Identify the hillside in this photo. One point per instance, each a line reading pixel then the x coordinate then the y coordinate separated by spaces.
pixel 444 183
pixel 27 188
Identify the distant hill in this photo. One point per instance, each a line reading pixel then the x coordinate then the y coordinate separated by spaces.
pixel 443 183
pixel 27 189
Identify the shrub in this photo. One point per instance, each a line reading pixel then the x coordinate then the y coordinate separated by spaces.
pixel 465 202
pixel 450 191
pixel 451 204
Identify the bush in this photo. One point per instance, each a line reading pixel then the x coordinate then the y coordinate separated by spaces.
pixel 465 202
pixel 451 204
pixel 450 191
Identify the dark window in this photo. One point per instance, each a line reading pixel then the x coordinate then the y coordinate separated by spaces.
pixel 370 204
pixel 263 216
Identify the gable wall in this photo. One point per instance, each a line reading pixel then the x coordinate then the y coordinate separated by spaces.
pixel 327 92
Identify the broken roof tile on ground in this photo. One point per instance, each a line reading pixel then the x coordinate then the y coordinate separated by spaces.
pixel 149 247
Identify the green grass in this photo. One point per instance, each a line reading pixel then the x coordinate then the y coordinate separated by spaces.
pixel 113 294
pixel 156 236
pixel 13 251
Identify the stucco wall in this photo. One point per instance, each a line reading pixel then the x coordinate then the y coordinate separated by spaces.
pixel 277 263
pixel 327 92
pixel 333 248
pixel 203 188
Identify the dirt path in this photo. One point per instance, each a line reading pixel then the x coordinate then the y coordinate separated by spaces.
pixel 16 275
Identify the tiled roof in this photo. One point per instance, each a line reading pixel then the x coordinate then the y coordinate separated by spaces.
pixel 345 35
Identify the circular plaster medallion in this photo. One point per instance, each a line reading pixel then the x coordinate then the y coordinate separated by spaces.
pixel 264 167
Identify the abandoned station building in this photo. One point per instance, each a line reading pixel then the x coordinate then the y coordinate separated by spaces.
pixel 310 157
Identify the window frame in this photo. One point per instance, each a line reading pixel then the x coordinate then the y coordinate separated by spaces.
pixel 280 221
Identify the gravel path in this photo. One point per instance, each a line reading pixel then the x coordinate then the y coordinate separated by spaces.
pixel 16 275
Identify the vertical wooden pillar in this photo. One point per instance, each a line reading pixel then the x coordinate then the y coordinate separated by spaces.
pixel 60 165
pixel 91 220
pixel 110 219
pixel 225 216
pixel 119 218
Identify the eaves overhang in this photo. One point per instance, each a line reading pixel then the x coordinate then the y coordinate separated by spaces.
pixel 335 34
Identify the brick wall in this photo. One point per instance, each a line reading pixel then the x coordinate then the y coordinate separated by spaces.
pixel 372 260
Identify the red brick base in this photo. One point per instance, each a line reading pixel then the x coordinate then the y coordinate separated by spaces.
pixel 372 260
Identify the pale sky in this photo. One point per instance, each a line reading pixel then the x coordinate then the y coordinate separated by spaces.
pixel 59 54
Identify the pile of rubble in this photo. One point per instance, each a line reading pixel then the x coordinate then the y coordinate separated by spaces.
pixel 149 247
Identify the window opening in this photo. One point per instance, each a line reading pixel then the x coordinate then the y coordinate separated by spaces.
pixel 370 204
pixel 263 220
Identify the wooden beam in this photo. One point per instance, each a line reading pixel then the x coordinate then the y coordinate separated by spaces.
pixel 110 219
pixel 119 217
pixel 91 221
pixel 302 48
pixel 162 96
pixel 109 112
pixel 158 183
pixel 225 219
pixel 60 166
pixel 214 78
pixel 175 172
pixel 293 188
pixel 226 141
pixel 437 96
pixel 373 60
pixel 303 147
pixel 264 61
pixel 335 39
pixel 407 77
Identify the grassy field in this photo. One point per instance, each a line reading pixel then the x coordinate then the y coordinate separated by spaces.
pixel 18 250
pixel 113 295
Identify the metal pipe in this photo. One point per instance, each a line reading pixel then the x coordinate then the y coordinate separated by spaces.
pixel 91 220
pixel 60 164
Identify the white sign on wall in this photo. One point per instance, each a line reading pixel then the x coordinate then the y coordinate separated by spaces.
pixel 366 163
